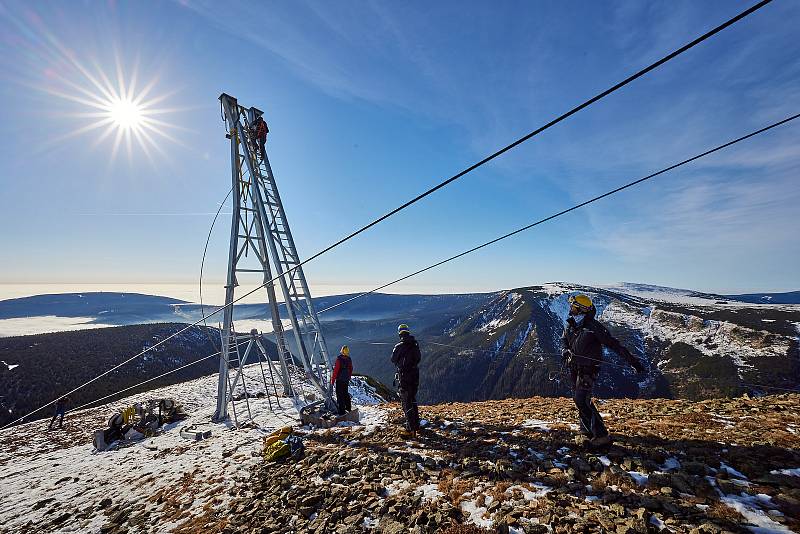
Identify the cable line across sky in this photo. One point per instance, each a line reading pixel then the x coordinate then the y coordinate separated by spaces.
pixel 564 212
pixel 514 144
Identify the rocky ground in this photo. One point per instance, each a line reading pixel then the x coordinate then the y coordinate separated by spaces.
pixel 55 481
pixel 513 466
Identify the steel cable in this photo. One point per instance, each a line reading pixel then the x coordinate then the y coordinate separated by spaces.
pixel 430 191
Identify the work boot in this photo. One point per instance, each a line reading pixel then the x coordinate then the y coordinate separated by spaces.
pixel 601 441
pixel 405 433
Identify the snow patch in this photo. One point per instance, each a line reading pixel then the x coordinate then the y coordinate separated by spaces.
pixel 731 471
pixel 671 463
pixel 640 478
pixel 537 424
pixel 429 492
pixel 209 468
pixel 758 521
pixel 789 472
pixel 476 514
pixel 539 491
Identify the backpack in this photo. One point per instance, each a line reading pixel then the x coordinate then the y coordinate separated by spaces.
pixel 282 444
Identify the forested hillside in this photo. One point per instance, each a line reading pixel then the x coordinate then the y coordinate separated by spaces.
pixel 42 367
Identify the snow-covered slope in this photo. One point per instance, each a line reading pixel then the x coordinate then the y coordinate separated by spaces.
pixel 56 481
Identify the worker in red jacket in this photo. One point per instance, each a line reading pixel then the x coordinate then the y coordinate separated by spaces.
pixel 260 131
pixel 342 372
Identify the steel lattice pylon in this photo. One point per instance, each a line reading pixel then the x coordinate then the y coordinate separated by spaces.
pixel 259 227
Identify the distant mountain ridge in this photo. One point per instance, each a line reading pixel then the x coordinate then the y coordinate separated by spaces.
pixel 694 345
pixel 134 308
pixel 789 297
pixel 506 344
pixel 93 304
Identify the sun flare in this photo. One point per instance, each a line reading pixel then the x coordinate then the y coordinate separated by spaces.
pixel 125 113
pixel 116 105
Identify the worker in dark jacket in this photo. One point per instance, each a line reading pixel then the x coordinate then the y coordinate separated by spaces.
pixel 583 341
pixel 406 357
pixel 342 371
pixel 61 409
pixel 260 131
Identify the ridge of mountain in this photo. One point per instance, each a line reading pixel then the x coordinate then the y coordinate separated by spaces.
pixel 692 345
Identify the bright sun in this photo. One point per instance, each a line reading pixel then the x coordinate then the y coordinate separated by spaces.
pixel 120 108
pixel 125 113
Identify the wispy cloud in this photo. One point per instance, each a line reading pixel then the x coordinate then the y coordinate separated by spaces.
pixel 739 213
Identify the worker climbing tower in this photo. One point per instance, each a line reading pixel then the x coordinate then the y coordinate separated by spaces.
pixel 259 227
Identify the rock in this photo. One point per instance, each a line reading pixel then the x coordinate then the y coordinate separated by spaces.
pixel 119 517
pixel 60 519
pixel 788 505
pixel 659 480
pixel 695 468
pixel 617 509
pixel 682 483
pixel 390 526
pixel 727 487
pixel 43 502
pixel 651 504
pixel 581 465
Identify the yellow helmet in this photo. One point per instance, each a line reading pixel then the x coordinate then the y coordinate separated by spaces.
pixel 345 350
pixel 403 329
pixel 580 304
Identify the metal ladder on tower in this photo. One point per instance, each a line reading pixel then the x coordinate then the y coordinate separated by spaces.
pixel 288 262
pixel 260 225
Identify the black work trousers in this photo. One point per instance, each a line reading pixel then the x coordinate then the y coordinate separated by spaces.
pixel 343 397
pixel 408 396
pixel 590 421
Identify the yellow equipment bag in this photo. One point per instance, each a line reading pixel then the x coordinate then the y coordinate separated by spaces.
pixel 278 435
pixel 276 451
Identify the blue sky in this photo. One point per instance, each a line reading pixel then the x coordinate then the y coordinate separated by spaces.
pixel 370 103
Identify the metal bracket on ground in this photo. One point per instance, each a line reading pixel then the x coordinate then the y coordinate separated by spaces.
pixel 194 433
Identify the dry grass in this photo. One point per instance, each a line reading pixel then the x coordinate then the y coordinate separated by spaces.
pixel 454 488
pixel 723 512
pixel 498 492
pixel 460 487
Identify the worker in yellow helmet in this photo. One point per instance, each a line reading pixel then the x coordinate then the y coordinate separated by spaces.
pixel 342 371
pixel 583 341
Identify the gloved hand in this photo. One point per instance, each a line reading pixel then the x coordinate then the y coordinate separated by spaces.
pixel 636 364
pixel 565 354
